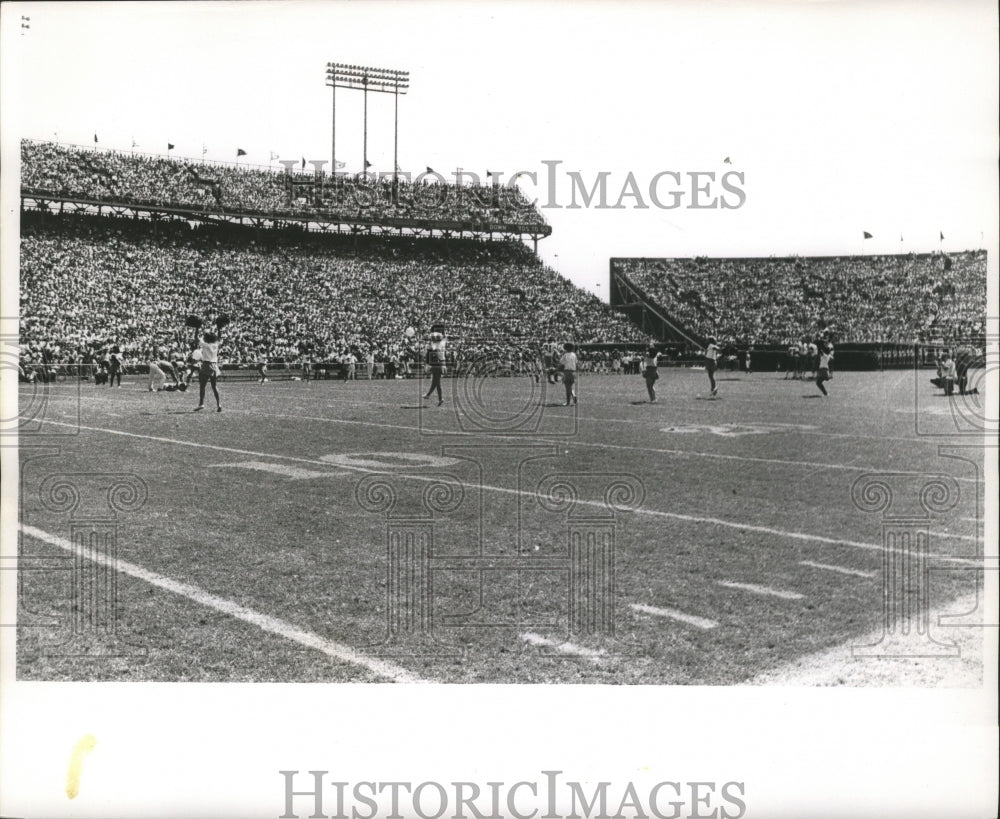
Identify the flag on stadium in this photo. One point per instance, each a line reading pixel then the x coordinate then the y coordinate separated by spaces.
pixel 274 156
pixel 134 143
pixel 95 139
pixel 170 146
pixel 941 235
pixel 867 235
pixel 367 164
pixel 341 164
pixel 204 150
pixel 727 161
pixel 240 152
pixel 303 162
pixel 430 169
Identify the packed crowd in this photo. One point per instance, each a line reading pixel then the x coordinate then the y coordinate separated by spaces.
pixel 856 298
pixel 89 282
pixel 137 179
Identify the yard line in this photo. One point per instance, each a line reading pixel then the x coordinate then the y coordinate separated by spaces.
pixel 817 466
pixel 294 472
pixel 753 588
pixel 739 525
pixel 840 569
pixel 264 622
pixel 673 614
pixel 563 647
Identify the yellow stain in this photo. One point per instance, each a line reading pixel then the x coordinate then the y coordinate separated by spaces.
pixel 84 746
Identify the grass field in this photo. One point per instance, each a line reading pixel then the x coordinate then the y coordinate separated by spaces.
pixel 350 532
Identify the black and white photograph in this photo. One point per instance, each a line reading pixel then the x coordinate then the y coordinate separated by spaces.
pixel 499 409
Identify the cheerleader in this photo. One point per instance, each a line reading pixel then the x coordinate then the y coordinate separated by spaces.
pixel 649 372
pixel 208 371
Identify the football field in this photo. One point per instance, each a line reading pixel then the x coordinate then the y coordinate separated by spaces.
pixel 336 531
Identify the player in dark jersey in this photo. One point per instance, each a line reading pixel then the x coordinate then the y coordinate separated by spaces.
pixel 650 373
pixel 435 360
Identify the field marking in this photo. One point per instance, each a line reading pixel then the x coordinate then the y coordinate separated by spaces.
pixel 673 614
pixel 741 526
pixel 816 466
pixel 594 654
pixel 753 588
pixel 294 472
pixel 596 419
pixel 840 569
pixel 264 622
pixel 973 538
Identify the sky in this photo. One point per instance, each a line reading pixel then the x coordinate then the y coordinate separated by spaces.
pixel 838 117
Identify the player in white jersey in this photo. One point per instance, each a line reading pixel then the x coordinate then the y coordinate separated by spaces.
pixel 823 370
pixel 159 369
pixel 569 365
pixel 712 362
pixel 208 370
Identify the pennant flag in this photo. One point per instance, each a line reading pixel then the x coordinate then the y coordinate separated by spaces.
pixel 274 156
pixel 901 237
pixel 95 139
pixel 941 235
pixel 170 146
pixel 204 150
pixel 303 162
pixel 727 161
pixel 430 169
pixel 867 235
pixel 134 143
pixel 341 164
pixel 240 152
pixel 367 164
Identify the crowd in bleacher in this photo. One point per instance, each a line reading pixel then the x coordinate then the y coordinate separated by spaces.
pixel 138 179
pixel 88 282
pixel 906 298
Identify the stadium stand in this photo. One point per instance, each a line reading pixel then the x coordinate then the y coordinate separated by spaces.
pixel 136 179
pixel 856 298
pixel 90 281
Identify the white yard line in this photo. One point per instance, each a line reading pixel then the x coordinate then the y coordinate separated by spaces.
pixel 839 569
pixel 272 625
pixel 563 647
pixel 674 614
pixel 766 591
pixel 701 519
pixel 294 472
pixel 817 466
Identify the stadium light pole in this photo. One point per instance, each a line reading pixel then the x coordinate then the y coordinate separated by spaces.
pixel 367 78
